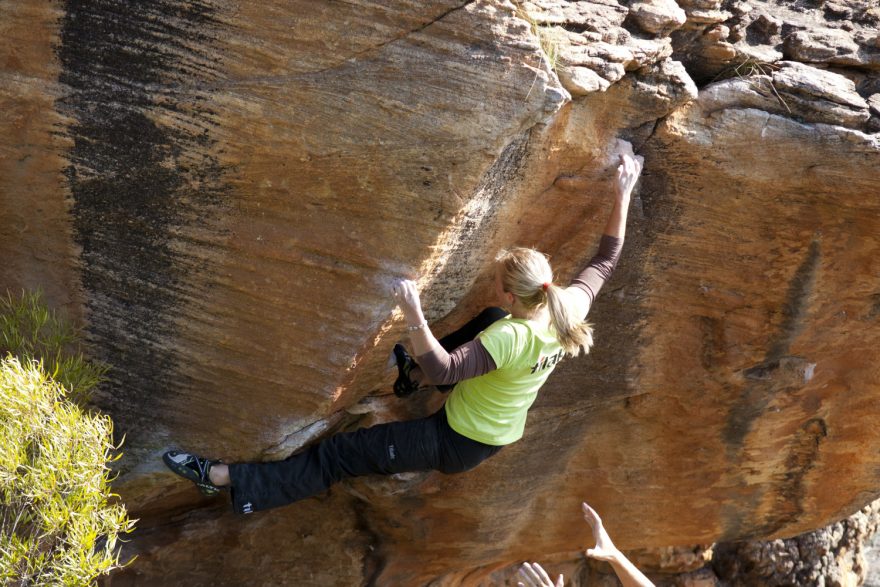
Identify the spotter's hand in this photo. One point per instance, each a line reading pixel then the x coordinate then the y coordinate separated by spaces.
pixel 533 575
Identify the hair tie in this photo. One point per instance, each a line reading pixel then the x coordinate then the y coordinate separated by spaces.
pixel 545 286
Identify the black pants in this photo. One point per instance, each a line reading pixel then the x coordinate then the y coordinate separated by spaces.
pixel 396 447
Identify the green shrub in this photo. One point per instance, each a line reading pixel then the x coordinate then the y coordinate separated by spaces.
pixel 30 330
pixel 59 521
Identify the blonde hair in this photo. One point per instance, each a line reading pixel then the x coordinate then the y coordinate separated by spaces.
pixel 524 273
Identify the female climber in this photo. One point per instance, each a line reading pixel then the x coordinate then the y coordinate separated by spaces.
pixel 497 363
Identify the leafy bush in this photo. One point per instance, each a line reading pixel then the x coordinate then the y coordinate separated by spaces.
pixel 59 522
pixel 29 330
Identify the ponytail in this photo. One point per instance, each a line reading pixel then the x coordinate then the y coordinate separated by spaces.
pixel 526 273
pixel 572 331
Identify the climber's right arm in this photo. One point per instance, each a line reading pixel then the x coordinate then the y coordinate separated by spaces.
pixel 585 287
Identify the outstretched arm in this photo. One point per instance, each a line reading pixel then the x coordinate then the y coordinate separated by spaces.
pixel 585 287
pixel 627 175
pixel 605 550
pixel 532 575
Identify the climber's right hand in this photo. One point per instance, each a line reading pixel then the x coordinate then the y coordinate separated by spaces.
pixel 628 174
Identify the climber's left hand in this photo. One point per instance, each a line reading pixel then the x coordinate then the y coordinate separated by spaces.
pixel 406 293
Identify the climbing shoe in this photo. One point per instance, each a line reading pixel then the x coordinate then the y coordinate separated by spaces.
pixel 404 386
pixel 192 468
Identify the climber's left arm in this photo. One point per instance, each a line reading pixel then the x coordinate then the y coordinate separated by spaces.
pixel 469 360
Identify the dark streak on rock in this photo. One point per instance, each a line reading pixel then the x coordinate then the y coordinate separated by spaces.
pixel 374 559
pixel 642 134
pixel 788 493
pixel 874 312
pixel 138 185
pixel 714 346
pixel 759 391
pixel 802 452
pixel 776 373
pixel 799 290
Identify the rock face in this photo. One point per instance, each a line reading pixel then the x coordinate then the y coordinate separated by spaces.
pixel 223 193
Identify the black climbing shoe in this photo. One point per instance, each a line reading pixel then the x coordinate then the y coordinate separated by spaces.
pixel 192 468
pixel 404 386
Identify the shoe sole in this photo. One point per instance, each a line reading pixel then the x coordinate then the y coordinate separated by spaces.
pixel 403 385
pixel 208 490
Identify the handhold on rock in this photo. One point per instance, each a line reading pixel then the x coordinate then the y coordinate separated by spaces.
pixel 785 372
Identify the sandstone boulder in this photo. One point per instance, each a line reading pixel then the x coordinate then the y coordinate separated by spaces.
pixel 223 193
